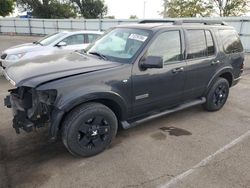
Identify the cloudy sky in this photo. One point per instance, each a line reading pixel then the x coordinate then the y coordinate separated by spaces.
pixel 124 8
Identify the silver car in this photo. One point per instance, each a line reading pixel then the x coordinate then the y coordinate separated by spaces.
pixel 60 42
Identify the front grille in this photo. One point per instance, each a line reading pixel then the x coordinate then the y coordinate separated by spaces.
pixel 3 56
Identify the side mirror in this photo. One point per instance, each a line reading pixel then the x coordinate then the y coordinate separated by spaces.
pixel 152 62
pixel 61 44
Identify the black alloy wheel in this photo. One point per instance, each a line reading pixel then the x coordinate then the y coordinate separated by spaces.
pixel 93 132
pixel 89 129
pixel 217 95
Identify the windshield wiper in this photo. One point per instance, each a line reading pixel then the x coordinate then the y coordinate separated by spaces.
pixel 99 54
pixel 82 51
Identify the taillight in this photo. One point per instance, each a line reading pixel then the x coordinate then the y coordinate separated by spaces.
pixel 242 66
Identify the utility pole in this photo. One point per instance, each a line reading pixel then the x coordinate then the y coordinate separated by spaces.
pixel 220 6
pixel 165 8
pixel 144 9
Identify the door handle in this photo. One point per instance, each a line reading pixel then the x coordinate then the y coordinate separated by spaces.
pixel 215 62
pixel 179 69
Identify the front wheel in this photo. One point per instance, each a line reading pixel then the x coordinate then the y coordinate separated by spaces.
pixel 217 95
pixel 89 129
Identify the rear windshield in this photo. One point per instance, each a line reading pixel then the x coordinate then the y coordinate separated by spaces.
pixel 231 41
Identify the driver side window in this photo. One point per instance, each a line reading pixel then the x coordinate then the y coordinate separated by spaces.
pixel 168 46
pixel 74 39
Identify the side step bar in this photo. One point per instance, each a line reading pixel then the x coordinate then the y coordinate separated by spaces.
pixel 127 125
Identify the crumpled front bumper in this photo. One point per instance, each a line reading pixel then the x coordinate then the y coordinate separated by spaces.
pixel 20 120
pixel 29 113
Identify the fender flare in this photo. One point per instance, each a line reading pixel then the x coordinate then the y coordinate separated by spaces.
pixel 111 96
pixel 60 111
pixel 221 71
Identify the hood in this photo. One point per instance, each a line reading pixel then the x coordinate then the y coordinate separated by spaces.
pixel 46 68
pixel 23 48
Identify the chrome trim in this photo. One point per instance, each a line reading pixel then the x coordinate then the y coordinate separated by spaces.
pixel 236 79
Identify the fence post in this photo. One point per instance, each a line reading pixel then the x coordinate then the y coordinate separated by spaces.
pixel 100 24
pixel 30 31
pixel 14 25
pixel 71 25
pixel 85 25
pixel 57 27
pixel 44 28
pixel 241 25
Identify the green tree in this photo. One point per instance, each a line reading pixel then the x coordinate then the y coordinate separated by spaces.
pixel 6 7
pixel 91 8
pixel 48 8
pixel 133 17
pixel 109 17
pixel 231 7
pixel 187 8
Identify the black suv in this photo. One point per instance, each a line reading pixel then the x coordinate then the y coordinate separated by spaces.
pixel 130 75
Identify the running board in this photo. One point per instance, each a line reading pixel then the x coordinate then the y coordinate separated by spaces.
pixel 127 125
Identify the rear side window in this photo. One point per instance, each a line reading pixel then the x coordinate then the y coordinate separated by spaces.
pixel 200 44
pixel 210 43
pixel 196 44
pixel 92 37
pixel 231 41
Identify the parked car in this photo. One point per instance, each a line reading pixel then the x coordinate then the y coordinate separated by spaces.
pixel 60 42
pixel 132 74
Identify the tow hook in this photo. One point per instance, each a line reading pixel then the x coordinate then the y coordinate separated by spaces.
pixel 23 123
pixel 7 102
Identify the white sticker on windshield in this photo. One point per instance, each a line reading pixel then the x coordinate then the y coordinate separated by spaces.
pixel 138 37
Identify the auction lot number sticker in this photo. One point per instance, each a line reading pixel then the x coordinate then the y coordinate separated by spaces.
pixel 138 37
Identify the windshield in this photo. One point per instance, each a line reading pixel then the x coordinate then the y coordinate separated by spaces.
pixel 51 38
pixel 120 44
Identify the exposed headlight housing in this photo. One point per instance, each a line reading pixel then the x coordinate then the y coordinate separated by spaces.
pixel 48 96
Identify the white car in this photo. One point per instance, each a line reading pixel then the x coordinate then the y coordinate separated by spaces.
pixel 60 42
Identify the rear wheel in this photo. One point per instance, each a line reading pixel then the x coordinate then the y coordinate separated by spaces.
pixel 217 95
pixel 89 129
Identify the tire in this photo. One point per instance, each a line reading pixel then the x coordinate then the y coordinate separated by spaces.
pixel 217 95
pixel 89 129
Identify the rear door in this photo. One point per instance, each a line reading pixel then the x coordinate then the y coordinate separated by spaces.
pixel 202 61
pixel 156 89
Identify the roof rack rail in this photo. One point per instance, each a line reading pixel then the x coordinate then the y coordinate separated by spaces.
pixel 156 21
pixel 180 22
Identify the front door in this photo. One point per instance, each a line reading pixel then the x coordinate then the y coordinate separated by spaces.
pixel 156 89
pixel 73 42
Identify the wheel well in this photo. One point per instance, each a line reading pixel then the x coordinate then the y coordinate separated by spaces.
pixel 112 105
pixel 107 102
pixel 228 76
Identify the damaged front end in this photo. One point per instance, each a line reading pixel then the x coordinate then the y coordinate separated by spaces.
pixel 31 108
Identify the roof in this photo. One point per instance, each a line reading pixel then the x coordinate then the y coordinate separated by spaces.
pixel 146 26
pixel 83 32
